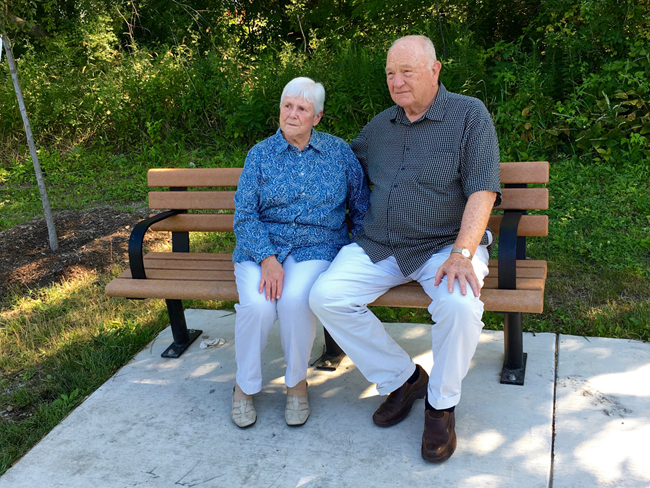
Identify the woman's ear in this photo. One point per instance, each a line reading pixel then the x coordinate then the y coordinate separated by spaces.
pixel 317 118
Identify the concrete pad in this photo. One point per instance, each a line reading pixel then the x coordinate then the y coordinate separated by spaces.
pixel 602 413
pixel 166 423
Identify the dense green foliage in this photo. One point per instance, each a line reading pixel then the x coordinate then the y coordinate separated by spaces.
pixel 116 88
pixel 566 81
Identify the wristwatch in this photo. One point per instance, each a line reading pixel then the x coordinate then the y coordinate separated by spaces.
pixel 463 252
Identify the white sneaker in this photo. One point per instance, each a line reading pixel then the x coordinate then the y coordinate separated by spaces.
pixel 243 412
pixel 297 410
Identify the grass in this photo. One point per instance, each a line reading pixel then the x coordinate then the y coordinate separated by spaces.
pixel 83 178
pixel 59 343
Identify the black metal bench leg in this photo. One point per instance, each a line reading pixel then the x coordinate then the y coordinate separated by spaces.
pixel 182 337
pixel 514 364
pixel 333 354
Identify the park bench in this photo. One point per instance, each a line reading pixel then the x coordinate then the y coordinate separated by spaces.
pixel 202 200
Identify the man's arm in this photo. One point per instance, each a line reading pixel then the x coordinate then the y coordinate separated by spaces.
pixel 472 227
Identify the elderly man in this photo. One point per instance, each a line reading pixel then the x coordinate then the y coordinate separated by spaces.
pixel 434 162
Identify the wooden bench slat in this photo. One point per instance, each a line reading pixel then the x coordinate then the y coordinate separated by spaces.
pixel 527 301
pixel 222 262
pixel 492 283
pixel 192 200
pixel 194 177
pixel 538 273
pixel 184 274
pixel 524 199
pixel 188 265
pixel 512 199
pixel 523 263
pixel 173 290
pixel 511 173
pixel 189 256
pixel 196 223
pixel 529 225
pixel 525 172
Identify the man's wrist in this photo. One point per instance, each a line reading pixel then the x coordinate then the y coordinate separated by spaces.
pixel 463 251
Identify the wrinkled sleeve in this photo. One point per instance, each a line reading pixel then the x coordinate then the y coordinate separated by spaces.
pixel 358 198
pixel 252 235
pixel 359 147
pixel 480 148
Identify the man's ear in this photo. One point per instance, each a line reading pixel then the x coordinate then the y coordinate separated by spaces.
pixel 437 66
pixel 317 118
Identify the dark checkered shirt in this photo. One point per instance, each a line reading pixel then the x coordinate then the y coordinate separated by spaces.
pixel 423 173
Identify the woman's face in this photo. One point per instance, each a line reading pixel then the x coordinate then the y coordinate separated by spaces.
pixel 297 118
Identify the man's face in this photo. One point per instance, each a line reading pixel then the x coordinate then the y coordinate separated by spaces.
pixel 297 117
pixel 413 85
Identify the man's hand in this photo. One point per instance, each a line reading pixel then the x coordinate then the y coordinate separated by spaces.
pixel 460 268
pixel 272 277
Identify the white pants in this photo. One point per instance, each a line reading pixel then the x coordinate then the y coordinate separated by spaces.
pixel 339 299
pixel 256 316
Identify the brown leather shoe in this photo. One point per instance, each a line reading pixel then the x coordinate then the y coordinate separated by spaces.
pixel 439 437
pixel 398 404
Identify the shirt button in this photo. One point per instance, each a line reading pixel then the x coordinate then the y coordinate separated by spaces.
pixel 395 186
pixel 402 169
pixel 390 207
pixel 408 148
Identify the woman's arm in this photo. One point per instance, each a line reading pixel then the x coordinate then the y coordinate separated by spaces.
pixel 252 235
pixel 358 198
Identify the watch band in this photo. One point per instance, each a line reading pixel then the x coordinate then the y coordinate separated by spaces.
pixel 463 252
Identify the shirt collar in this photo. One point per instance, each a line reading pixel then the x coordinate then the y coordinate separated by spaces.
pixel 435 112
pixel 280 144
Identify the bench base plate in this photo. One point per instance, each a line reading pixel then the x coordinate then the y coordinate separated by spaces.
pixel 174 351
pixel 329 362
pixel 514 376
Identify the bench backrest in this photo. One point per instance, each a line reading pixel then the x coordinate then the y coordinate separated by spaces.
pixel 514 178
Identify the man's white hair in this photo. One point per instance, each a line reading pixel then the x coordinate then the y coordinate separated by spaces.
pixel 427 47
pixel 307 89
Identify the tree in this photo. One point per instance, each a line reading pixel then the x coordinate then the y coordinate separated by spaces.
pixel 30 139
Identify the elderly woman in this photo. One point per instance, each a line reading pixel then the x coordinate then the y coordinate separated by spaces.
pixel 290 223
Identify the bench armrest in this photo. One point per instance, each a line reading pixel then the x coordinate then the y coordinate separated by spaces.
pixel 136 259
pixel 507 257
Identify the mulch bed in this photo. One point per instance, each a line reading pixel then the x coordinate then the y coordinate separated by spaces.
pixel 93 239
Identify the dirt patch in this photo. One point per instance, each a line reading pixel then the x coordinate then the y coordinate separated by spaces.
pixel 94 239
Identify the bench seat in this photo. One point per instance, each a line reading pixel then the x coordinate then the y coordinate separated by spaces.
pixel 206 276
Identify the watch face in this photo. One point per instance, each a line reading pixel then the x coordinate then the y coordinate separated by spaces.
pixel 466 253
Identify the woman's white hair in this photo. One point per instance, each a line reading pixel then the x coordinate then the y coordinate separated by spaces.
pixel 427 46
pixel 307 89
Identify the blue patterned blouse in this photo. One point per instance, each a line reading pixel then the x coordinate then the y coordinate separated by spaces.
pixel 292 201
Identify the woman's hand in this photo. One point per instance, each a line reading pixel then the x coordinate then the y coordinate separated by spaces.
pixel 272 277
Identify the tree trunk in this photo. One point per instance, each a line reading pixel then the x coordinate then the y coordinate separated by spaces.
pixel 32 147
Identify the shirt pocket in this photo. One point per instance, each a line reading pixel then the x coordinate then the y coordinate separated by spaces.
pixel 440 171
